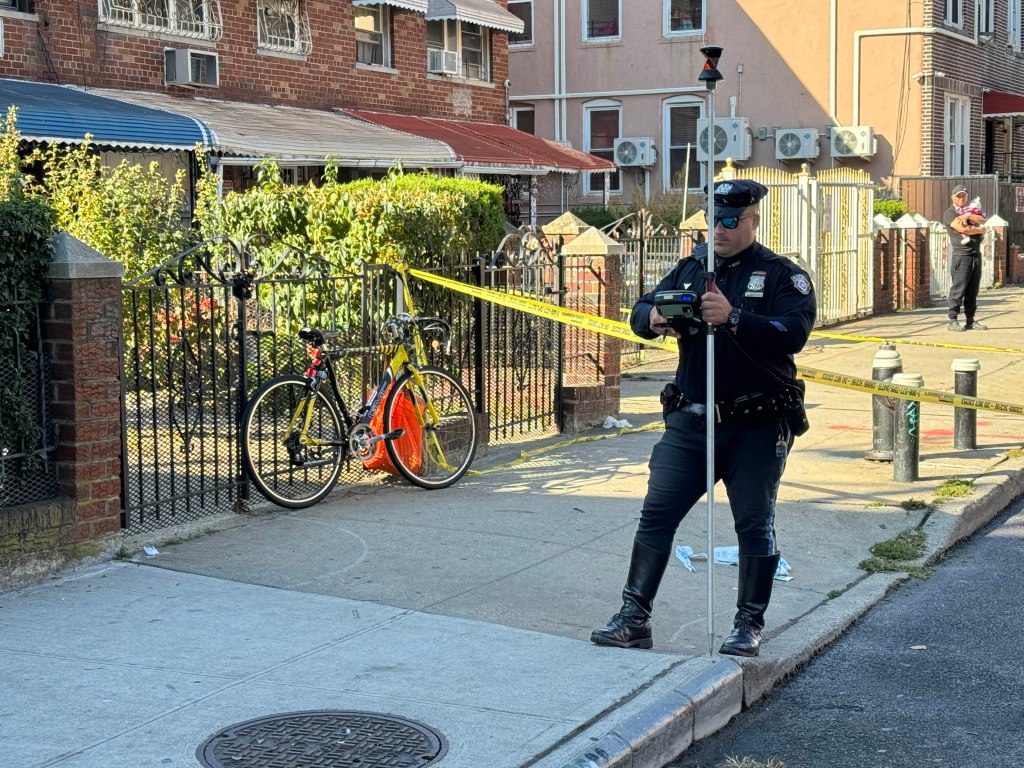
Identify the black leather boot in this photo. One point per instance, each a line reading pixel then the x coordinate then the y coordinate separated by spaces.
pixel 631 626
pixel 757 575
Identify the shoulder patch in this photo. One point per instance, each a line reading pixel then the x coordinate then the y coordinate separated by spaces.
pixel 801 283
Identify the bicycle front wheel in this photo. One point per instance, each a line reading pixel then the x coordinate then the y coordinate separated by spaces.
pixel 293 466
pixel 439 435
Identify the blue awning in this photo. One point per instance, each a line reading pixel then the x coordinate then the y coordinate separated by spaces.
pixel 63 115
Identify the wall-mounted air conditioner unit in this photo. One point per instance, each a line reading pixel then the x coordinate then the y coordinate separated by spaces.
pixel 796 143
pixel 441 62
pixel 853 141
pixel 183 66
pixel 635 151
pixel 732 138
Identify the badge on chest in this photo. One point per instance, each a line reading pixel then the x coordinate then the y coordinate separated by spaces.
pixel 755 286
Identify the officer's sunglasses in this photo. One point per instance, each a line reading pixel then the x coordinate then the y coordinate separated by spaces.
pixel 730 222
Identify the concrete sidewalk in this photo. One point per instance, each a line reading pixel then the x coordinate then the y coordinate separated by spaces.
pixel 469 610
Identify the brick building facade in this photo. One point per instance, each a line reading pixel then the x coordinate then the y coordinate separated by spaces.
pixel 76 43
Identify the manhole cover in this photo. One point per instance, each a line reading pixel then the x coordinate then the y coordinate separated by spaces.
pixel 324 739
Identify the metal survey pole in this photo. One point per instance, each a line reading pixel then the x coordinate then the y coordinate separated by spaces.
pixel 710 77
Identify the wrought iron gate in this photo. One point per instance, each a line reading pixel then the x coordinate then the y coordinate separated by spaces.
pixel 201 332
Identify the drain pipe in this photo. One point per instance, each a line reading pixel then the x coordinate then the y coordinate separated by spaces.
pixel 894 32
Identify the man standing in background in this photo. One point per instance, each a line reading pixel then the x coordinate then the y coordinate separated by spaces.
pixel 965 236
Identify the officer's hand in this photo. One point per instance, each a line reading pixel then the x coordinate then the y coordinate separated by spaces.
pixel 714 307
pixel 659 324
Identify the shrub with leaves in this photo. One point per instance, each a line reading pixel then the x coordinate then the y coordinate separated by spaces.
pixel 892 207
pixel 130 213
pixel 26 226
pixel 391 220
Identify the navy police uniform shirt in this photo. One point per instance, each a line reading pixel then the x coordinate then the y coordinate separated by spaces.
pixel 777 312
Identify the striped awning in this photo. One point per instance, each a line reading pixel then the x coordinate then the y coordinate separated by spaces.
pixel 420 6
pixel 483 12
pixel 490 148
pixel 66 115
pixel 241 132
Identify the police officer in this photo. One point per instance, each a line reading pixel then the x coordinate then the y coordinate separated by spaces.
pixel 763 308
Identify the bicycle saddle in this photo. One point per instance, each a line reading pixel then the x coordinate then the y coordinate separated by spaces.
pixel 315 336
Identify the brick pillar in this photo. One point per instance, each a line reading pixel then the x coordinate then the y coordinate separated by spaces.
pixel 885 271
pixel 82 332
pixel 587 406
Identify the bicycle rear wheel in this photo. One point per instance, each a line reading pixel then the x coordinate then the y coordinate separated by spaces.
pixel 439 428
pixel 288 471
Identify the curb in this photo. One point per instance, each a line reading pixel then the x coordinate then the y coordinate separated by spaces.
pixel 707 701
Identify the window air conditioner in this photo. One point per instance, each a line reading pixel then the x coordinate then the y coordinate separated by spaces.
pixel 853 141
pixel 732 138
pixel 190 68
pixel 443 62
pixel 796 143
pixel 635 151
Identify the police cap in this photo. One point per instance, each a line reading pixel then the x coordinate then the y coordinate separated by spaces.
pixel 733 197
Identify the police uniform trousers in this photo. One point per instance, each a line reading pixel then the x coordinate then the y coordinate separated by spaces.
pixel 966 273
pixel 750 456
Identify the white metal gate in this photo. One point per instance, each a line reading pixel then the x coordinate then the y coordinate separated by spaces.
pixel 824 223
pixel 938 250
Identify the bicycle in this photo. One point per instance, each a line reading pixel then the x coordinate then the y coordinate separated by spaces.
pixel 295 437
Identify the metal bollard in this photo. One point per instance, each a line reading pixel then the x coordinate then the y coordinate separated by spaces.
pixel 907 431
pixel 886 364
pixel 965 420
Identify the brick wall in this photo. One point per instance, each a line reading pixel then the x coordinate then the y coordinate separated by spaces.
pixel 66 44
pixel 969 70
pixel 81 327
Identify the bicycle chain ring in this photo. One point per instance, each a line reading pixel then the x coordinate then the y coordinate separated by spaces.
pixel 359 441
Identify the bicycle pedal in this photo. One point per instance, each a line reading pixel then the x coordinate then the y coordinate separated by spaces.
pixel 393 435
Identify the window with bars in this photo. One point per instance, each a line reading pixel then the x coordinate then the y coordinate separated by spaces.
pixel 601 19
pixel 601 129
pixel 681 140
pixel 523 9
pixel 459 48
pixel 683 16
pixel 373 35
pixel 187 18
pixel 282 26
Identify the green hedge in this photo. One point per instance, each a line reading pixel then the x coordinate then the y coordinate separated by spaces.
pixel 26 226
pixel 394 220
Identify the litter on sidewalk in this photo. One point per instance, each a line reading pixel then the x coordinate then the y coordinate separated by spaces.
pixel 725 556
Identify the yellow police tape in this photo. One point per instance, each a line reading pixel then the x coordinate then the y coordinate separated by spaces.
pixel 902 392
pixel 848 337
pixel 572 317
pixel 623 331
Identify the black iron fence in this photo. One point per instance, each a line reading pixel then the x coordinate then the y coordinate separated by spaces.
pixel 202 332
pixel 27 440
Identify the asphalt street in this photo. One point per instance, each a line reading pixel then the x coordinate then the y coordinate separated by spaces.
pixel 932 676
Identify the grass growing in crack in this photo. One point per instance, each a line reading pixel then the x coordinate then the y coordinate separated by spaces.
pixel 1015 453
pixel 749 762
pixel 876 503
pixel 912 504
pixel 897 555
pixel 833 594
pixel 123 554
pixel 953 488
